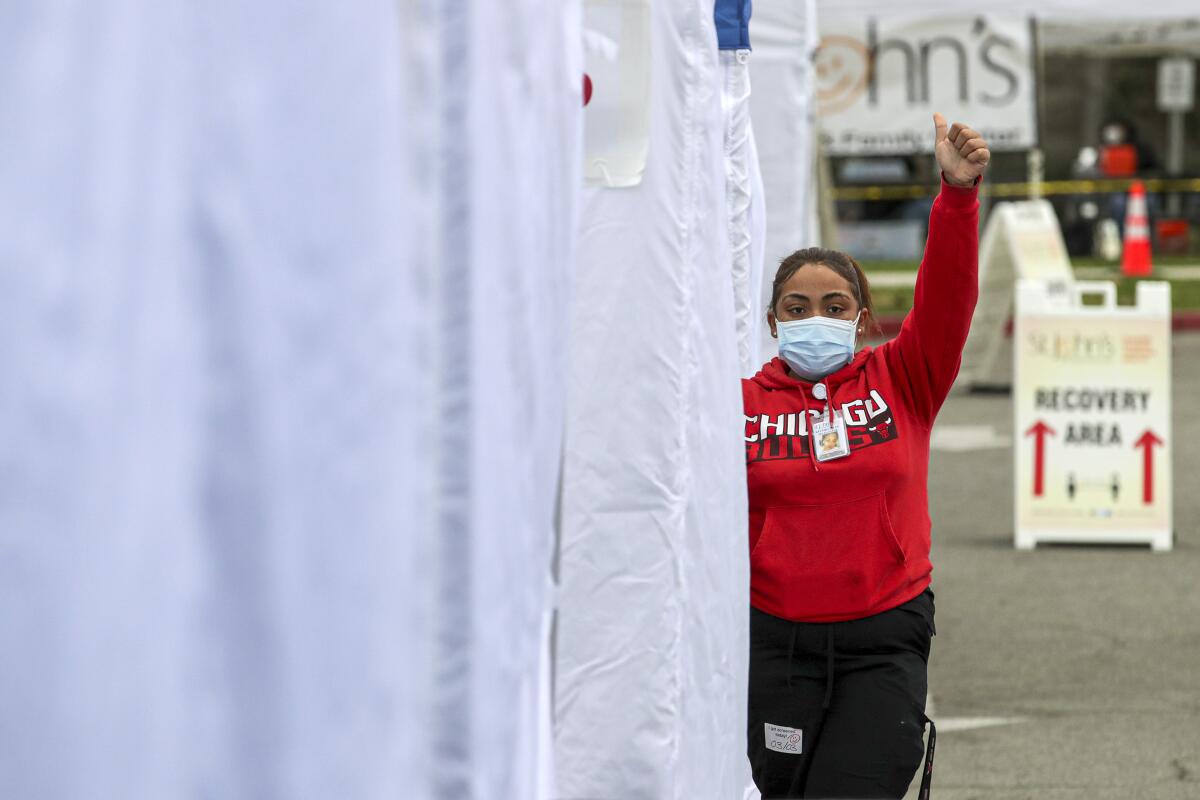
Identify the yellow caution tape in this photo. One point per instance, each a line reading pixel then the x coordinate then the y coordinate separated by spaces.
pixel 1021 189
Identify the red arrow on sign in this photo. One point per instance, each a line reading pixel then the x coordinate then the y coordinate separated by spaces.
pixel 1147 442
pixel 1039 430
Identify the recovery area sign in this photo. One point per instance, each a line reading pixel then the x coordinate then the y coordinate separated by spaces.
pixel 1092 397
pixel 880 78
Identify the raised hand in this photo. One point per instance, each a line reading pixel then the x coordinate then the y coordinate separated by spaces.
pixel 961 152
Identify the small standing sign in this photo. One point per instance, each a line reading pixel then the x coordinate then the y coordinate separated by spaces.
pixel 1176 84
pixel 1092 399
pixel 1021 240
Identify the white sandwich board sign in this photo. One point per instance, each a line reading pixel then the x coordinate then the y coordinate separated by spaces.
pixel 1092 402
pixel 1021 240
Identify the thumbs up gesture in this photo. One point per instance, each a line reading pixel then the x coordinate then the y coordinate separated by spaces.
pixel 961 152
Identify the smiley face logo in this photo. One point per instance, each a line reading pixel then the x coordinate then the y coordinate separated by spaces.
pixel 842 66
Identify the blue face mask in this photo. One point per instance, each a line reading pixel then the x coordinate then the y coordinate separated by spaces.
pixel 817 346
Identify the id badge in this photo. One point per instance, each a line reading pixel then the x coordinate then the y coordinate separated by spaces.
pixel 829 438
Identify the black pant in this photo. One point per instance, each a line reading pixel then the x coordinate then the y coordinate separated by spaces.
pixel 837 709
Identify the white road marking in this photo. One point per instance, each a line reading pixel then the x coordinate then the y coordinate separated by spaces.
pixel 950 724
pixel 893 279
pixel 964 438
pixel 1179 272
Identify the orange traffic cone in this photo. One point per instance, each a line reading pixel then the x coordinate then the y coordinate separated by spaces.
pixel 1135 257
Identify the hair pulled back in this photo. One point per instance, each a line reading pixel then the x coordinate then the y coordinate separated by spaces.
pixel 839 262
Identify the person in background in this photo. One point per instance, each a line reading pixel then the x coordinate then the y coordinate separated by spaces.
pixel 841 610
pixel 1123 154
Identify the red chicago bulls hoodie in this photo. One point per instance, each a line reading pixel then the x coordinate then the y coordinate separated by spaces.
pixel 848 538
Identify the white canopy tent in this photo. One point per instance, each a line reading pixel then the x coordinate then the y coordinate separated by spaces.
pixel 1058 10
pixel 1103 27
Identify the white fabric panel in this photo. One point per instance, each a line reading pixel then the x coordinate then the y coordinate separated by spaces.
pixel 258 265
pixel 418 74
pixel 91 529
pixel 419 79
pixel 759 268
pixel 652 641
pixel 510 189
pixel 206 420
pixel 782 110
pixel 743 196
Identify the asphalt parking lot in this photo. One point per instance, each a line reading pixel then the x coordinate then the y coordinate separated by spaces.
pixel 1065 673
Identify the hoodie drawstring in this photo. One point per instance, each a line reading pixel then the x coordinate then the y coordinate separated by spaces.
pixel 791 653
pixel 812 448
pixel 828 667
pixel 830 651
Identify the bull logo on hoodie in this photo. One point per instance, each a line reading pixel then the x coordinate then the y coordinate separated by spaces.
pixel 879 428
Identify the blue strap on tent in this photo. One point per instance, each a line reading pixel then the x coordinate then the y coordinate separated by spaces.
pixel 733 24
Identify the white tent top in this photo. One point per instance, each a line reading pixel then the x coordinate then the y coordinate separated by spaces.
pixel 1098 27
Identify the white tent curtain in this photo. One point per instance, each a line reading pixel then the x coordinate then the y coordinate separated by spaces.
pixel 783 115
pixel 652 643
pixel 511 173
pixel 744 198
pixel 283 367
pixel 205 575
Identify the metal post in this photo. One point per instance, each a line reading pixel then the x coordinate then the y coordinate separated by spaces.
pixel 1035 162
pixel 1174 159
pixel 1095 75
pixel 826 208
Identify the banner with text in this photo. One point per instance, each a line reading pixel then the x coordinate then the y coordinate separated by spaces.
pixel 881 77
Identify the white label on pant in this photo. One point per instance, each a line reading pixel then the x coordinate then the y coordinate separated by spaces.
pixel 784 740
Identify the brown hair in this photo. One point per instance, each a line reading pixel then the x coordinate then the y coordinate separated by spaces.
pixel 839 262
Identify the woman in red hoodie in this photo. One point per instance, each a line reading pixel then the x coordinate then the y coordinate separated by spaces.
pixel 842 613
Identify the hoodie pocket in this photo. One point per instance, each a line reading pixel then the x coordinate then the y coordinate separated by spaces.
pixel 827 559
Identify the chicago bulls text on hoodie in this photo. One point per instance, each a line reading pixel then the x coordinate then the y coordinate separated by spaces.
pixel 848 538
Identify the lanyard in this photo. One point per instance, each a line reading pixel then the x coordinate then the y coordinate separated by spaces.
pixel 927 777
